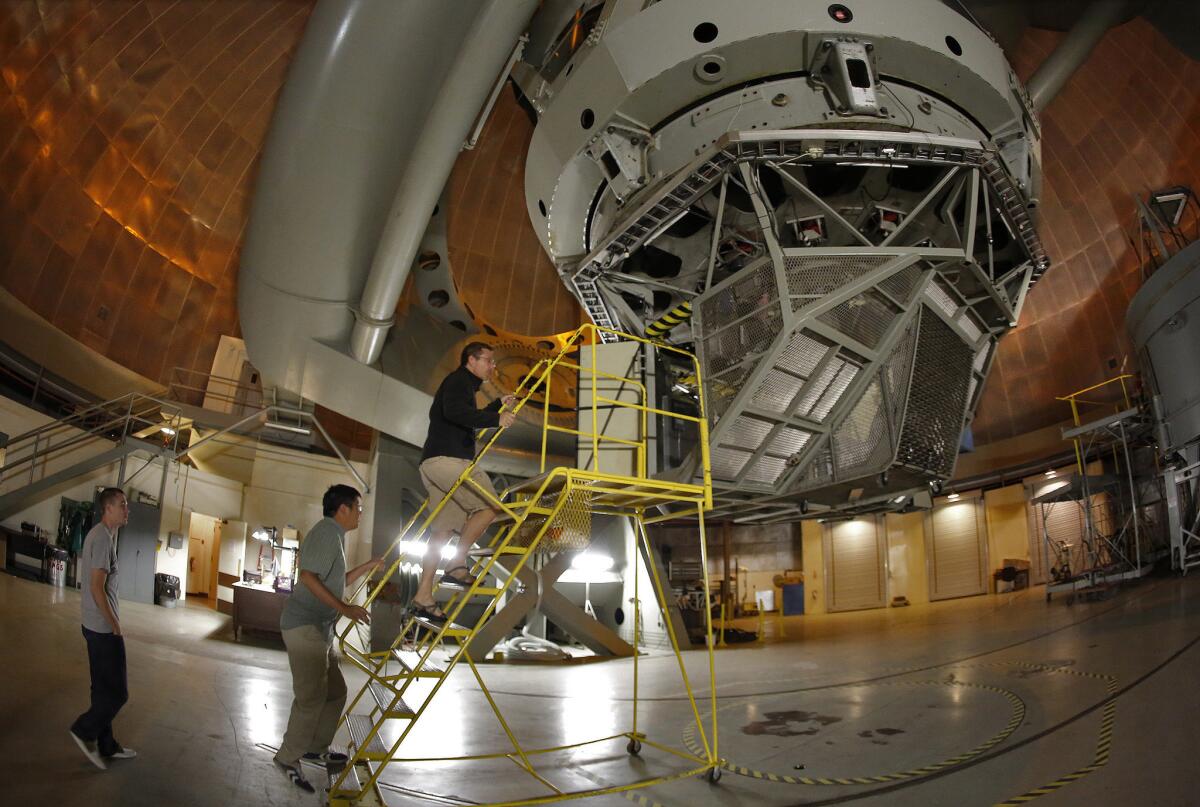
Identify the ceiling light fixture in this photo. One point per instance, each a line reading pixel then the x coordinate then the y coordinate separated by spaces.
pixel 953 497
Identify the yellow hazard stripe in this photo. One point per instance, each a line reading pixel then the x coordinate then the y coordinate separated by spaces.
pixel 1101 757
pixel 1016 719
pixel 677 315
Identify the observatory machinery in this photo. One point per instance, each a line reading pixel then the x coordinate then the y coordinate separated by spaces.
pixel 843 194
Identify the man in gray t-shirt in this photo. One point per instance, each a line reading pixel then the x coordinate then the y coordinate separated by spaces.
pixel 97 572
pixel 323 555
pixel 307 623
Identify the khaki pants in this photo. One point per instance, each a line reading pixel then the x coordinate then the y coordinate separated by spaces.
pixel 439 475
pixel 320 693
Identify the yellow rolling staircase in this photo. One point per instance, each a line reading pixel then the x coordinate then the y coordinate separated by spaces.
pixel 549 513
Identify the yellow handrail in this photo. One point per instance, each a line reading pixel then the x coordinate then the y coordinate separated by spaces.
pixel 630 494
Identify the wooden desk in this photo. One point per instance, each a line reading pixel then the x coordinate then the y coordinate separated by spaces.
pixel 256 606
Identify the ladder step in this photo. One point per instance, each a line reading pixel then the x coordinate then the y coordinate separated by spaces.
pixel 451 628
pixel 363 659
pixel 488 551
pixel 410 660
pixel 389 704
pixel 450 584
pixel 351 788
pixel 482 591
pixel 360 726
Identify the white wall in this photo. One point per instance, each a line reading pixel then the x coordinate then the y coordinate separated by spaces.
pixel 286 489
pixel 187 488
pixel 16 419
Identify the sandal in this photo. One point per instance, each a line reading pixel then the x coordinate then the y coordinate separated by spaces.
pixel 451 580
pixel 427 613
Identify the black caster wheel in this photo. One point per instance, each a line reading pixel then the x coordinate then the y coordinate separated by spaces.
pixel 634 747
pixel 713 776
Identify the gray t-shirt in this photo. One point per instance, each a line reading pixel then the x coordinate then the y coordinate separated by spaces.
pixel 99 552
pixel 322 554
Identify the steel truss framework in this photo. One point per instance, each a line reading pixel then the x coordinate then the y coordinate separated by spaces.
pixel 841 375
pixel 1115 545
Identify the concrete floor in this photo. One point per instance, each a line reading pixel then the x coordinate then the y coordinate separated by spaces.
pixel 1013 688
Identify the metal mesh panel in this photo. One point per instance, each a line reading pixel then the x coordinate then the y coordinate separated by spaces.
pixel 815 276
pixel 744 432
pixel 901 285
pixel 727 463
pixel 820 471
pixel 783 381
pixel 748 337
pixel 898 370
pixel 789 441
pixel 777 391
pixel 722 391
pixel 827 389
pixel 766 470
pixel 860 443
pixel 802 354
pixel 937 398
pixel 969 326
pixel 570 528
pixel 942 298
pixel 739 298
pixel 864 317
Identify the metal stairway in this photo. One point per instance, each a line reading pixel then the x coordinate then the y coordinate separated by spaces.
pixel 549 513
pixel 42 460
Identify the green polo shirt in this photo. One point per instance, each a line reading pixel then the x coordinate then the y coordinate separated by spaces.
pixel 321 553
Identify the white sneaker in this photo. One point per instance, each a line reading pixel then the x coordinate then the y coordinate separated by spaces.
pixel 90 751
pixel 124 753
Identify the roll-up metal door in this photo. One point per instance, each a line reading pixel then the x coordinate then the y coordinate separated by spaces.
pixel 855 571
pixel 956 547
pixel 1061 522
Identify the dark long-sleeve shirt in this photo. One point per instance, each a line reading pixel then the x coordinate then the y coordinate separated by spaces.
pixel 453 418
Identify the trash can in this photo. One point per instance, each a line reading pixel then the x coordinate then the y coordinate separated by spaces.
pixel 166 590
pixel 56 566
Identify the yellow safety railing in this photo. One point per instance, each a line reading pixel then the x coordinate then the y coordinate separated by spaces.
pixel 1075 399
pixel 624 494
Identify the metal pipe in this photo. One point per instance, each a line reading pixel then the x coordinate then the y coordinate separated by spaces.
pixel 488 45
pixel 1073 50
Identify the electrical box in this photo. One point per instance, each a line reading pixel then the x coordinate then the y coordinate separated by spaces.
pixel 175 540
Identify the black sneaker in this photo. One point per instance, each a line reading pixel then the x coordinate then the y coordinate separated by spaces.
pixel 90 751
pixel 293 774
pixel 330 759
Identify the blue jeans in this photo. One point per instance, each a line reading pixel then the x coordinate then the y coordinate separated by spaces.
pixel 106 658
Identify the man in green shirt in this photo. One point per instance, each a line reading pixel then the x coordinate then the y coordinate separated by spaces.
pixel 307 622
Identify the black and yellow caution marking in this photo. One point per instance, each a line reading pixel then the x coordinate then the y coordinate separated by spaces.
pixel 629 795
pixel 1108 717
pixel 1015 719
pixel 663 325
pixel 640 800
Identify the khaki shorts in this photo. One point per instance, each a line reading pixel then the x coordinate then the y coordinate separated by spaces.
pixel 439 474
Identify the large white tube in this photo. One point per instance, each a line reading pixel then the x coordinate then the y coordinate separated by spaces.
pixel 1073 51
pixel 493 35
